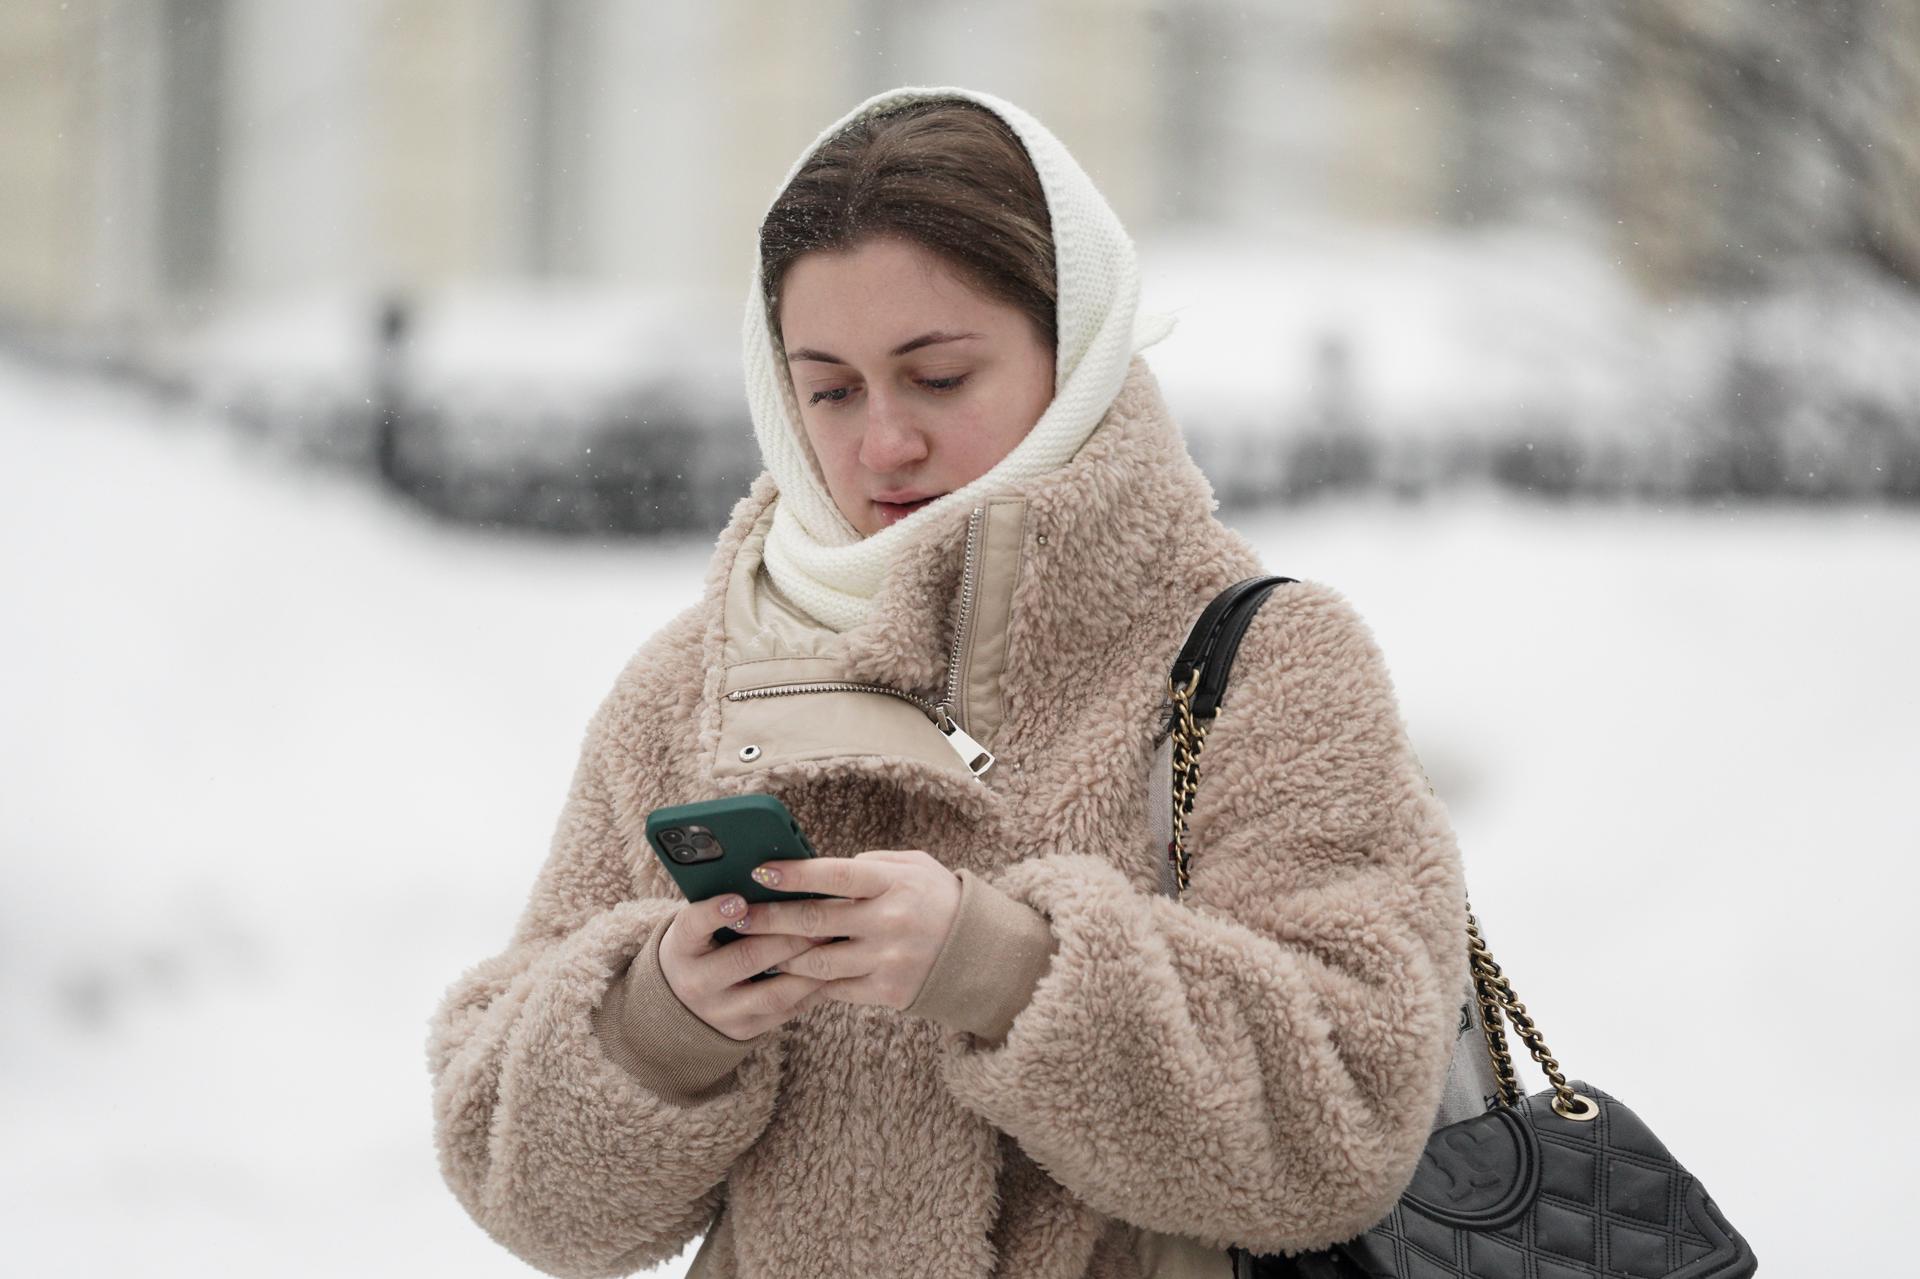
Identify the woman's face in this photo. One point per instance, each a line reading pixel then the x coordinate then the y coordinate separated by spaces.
pixel 910 383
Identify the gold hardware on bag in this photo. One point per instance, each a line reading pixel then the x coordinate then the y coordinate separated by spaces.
pixel 1495 991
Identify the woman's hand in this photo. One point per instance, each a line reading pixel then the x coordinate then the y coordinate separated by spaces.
pixel 715 981
pixel 898 907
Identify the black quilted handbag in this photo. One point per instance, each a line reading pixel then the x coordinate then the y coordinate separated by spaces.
pixel 1565 1184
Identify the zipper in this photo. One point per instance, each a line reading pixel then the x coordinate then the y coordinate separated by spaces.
pixel 976 757
pixel 963 628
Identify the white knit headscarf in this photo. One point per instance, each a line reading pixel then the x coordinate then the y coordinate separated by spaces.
pixel 814 556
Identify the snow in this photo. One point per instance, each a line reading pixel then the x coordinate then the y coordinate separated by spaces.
pixel 1423 333
pixel 570 339
pixel 285 351
pixel 282 758
pixel 1440 328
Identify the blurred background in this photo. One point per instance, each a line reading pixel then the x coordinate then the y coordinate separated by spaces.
pixel 370 390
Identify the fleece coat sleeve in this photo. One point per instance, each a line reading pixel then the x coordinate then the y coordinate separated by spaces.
pixel 995 953
pixel 569 1135
pixel 1259 1063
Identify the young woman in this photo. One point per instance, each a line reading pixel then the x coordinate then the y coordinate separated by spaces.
pixel 939 626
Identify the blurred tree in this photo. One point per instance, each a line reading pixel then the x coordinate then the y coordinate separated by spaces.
pixel 1753 135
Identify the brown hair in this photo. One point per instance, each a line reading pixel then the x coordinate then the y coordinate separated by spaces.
pixel 947 174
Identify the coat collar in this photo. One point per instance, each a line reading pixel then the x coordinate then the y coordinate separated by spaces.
pixel 1058 563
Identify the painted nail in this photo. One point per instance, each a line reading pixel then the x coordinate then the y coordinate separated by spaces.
pixel 741 923
pixel 732 905
pixel 766 875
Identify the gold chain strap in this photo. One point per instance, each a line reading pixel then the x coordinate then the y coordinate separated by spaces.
pixel 1494 991
pixel 1496 997
pixel 1189 737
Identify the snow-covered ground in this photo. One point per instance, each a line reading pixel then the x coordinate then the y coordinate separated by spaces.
pixel 281 759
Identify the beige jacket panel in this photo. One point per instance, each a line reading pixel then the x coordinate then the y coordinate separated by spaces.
pixel 1001 540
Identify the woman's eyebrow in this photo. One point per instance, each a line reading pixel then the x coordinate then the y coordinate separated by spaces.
pixel 912 344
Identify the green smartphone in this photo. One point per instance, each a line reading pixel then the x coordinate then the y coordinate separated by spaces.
pixel 711 847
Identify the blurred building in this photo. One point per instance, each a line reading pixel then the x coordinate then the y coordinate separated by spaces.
pixel 163 156
pixel 266 196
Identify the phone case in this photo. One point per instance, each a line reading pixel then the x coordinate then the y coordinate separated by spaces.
pixel 711 847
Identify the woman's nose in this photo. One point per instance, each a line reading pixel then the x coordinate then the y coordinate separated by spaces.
pixel 892 440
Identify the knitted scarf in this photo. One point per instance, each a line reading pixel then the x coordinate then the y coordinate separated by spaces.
pixel 815 557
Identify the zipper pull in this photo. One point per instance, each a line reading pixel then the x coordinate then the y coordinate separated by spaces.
pixel 976 757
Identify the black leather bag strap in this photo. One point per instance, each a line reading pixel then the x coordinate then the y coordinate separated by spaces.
pixel 1215 638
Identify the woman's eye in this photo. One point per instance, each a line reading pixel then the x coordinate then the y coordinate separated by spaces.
pixel 938 385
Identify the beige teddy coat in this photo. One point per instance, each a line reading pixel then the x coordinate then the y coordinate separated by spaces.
pixel 1259 1063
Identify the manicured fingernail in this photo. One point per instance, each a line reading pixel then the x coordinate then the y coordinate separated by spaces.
pixel 732 905
pixel 766 875
pixel 741 923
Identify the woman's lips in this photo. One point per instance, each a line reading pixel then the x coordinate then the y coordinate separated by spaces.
pixel 890 512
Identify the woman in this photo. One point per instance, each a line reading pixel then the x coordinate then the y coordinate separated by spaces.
pixel 977 545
